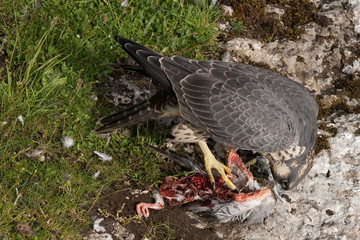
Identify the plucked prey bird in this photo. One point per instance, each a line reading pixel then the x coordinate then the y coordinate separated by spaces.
pixel 238 105
pixel 252 204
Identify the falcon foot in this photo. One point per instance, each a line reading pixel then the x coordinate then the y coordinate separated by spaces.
pixel 212 163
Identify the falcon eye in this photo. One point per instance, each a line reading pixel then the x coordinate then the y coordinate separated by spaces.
pixel 285 184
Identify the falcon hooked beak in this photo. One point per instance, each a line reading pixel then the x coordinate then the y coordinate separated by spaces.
pixel 289 173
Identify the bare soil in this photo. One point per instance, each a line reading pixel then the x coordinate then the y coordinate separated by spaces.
pixel 168 223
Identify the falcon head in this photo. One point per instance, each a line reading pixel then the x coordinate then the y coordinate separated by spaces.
pixel 288 170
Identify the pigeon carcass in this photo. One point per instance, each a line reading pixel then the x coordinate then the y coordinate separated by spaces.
pixel 252 203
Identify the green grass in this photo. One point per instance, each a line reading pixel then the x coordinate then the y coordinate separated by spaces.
pixel 55 56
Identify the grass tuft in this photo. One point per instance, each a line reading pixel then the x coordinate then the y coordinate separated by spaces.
pixel 54 56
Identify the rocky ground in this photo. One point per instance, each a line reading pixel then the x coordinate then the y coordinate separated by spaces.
pixel 325 58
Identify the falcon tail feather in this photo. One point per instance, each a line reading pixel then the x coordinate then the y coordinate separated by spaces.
pixel 139 113
pixel 186 162
pixel 146 58
pixel 130 116
pixel 127 67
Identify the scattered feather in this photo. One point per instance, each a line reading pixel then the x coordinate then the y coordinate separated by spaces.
pixel 96 175
pixel 97 226
pixel 108 140
pixel 26 14
pixel 103 156
pixel 67 142
pixel 18 195
pixel 126 133
pixel 37 3
pixel 125 3
pixel 3 123
pixel 138 191
pixel 348 69
pixel 33 154
pixel 227 10
pixel 226 57
pixel 355 13
pixel 94 98
pixel 21 119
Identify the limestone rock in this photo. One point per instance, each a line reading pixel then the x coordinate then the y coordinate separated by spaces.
pixel 316 59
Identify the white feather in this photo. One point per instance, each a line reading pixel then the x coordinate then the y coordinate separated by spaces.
pixel 180 197
pixel 96 174
pixel 67 142
pixel 103 156
pixel 21 119
pixel 158 198
pixel 33 154
pixel 97 226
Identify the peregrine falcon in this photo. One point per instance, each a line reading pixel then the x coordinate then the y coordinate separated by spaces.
pixel 237 105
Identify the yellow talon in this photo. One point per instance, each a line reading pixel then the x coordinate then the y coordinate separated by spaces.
pixel 212 163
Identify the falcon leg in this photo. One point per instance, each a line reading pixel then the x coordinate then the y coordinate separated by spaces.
pixel 212 163
pixel 234 157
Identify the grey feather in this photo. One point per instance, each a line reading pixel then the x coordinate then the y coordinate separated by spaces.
pixel 184 161
pixel 142 112
pixel 251 211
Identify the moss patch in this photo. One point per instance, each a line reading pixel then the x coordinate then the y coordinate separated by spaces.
pixel 322 143
pixel 261 25
pixel 350 85
pixel 336 105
